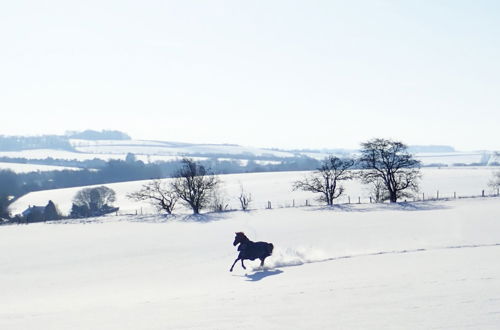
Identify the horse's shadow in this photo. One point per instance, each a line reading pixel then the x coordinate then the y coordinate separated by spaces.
pixel 257 276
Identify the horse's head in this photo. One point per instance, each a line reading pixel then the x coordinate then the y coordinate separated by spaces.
pixel 239 238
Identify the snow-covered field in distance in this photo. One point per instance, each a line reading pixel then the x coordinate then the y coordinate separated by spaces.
pixel 79 156
pixel 169 148
pixel 151 151
pixel 25 168
pixel 277 188
pixel 57 154
pixel 451 158
pixel 429 265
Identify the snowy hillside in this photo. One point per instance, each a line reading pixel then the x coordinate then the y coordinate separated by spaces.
pixel 453 158
pixel 151 151
pixel 169 148
pixel 277 188
pixel 431 265
pixel 25 168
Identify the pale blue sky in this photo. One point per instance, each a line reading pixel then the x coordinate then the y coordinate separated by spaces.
pixel 289 74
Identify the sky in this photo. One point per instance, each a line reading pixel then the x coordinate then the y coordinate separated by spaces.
pixel 283 74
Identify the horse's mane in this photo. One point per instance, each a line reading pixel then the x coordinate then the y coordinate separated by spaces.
pixel 240 233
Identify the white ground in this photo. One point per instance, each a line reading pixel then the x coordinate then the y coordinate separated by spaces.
pixel 168 148
pixel 25 168
pixel 81 156
pixel 57 154
pixel 277 188
pixel 450 158
pixel 150 151
pixel 428 265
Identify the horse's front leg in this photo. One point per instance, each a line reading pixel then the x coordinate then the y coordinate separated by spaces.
pixel 234 263
pixel 242 265
pixel 262 262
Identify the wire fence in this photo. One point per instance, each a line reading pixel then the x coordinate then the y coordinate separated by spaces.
pixel 345 200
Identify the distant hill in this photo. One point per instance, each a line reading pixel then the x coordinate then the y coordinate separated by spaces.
pixel 96 135
pixel 109 144
pixel 17 143
pixel 430 149
pixel 57 142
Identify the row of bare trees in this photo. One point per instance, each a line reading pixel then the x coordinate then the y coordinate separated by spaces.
pixel 387 166
pixel 192 185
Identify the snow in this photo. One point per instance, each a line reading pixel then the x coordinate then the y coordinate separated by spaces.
pixel 151 151
pixel 82 156
pixel 451 158
pixel 425 265
pixel 158 148
pixel 25 168
pixel 57 154
pixel 277 188
pixel 88 143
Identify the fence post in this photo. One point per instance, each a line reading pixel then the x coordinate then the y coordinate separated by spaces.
pixel 482 194
pixel 437 194
pixel 370 199
pixel 269 204
pixel 423 196
pixel 349 199
pixel 359 199
pixel 455 195
pixel 293 203
pixel 307 202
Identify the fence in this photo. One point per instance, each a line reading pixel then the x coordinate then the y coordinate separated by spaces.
pixel 347 200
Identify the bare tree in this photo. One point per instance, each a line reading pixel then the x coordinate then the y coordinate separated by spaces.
pixel 4 207
pixel 325 180
pixel 494 183
pixel 218 201
pixel 378 191
pixel 245 199
pixel 93 201
pixel 158 194
pixel 390 162
pixel 51 212
pixel 194 184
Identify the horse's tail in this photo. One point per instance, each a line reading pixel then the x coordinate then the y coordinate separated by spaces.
pixel 270 248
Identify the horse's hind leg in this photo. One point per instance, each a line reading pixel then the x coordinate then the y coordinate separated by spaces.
pixel 242 265
pixel 262 262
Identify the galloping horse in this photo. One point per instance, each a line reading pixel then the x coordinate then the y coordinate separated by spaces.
pixel 251 250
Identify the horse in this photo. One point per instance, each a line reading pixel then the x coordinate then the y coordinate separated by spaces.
pixel 251 250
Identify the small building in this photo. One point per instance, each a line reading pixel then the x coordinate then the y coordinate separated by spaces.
pixel 31 210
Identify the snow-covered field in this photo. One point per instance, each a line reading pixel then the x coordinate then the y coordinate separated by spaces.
pixel 427 265
pixel 451 158
pixel 277 188
pixel 169 148
pixel 151 151
pixel 25 168
pixel 82 156
pixel 57 154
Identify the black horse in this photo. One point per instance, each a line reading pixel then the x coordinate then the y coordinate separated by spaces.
pixel 251 250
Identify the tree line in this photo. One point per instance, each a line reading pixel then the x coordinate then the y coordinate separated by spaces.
pixel 130 169
pixel 387 166
pixel 16 143
pixel 87 202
